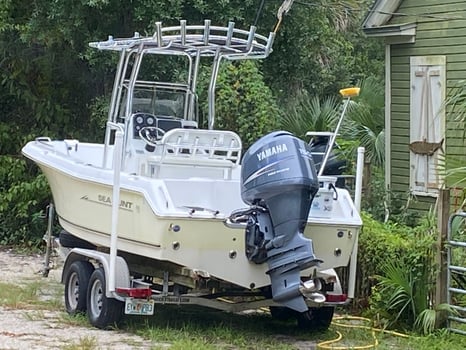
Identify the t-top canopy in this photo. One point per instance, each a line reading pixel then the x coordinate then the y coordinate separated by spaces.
pixel 205 40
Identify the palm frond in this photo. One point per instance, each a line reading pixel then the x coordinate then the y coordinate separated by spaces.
pixel 456 102
pixel 366 121
pixel 309 113
pixel 426 320
pixel 397 282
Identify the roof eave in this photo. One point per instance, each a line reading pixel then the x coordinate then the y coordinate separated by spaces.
pixel 395 33
pixel 380 13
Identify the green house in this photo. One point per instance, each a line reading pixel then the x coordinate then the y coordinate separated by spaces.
pixel 425 59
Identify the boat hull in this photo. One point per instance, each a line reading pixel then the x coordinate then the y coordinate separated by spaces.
pixel 152 221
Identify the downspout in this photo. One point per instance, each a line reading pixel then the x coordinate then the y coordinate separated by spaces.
pixel 388 113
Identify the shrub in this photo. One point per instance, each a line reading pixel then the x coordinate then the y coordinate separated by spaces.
pixel 23 198
pixel 378 243
pixel 405 272
pixel 243 102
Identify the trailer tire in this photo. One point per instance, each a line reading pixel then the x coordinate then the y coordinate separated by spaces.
pixel 282 313
pixel 102 312
pixel 316 318
pixel 76 285
pixel 68 240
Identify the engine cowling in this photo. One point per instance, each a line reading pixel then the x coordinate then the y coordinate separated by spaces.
pixel 279 181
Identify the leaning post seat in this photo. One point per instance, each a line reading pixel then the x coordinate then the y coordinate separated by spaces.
pixel 198 148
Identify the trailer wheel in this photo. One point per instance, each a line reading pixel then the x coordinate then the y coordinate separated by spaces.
pixel 102 312
pixel 76 283
pixel 316 318
pixel 282 313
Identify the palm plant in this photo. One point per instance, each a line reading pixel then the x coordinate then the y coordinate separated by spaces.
pixel 309 113
pixel 409 298
pixel 407 285
pixel 452 167
pixel 366 121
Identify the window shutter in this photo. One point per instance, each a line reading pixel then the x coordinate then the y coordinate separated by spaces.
pixel 427 122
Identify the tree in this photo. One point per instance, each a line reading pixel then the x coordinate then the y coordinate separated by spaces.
pixel 320 48
pixel 53 84
pixel 243 102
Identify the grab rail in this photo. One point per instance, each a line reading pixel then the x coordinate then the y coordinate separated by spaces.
pixel 201 145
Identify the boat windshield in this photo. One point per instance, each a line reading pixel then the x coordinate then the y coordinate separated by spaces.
pixel 159 99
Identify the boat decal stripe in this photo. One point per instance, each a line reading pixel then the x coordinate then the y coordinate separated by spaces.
pixel 266 169
pixel 106 234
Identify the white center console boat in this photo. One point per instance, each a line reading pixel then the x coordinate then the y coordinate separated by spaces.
pixel 165 211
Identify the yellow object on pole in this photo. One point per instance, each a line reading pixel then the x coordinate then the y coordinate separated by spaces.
pixel 346 93
pixel 350 92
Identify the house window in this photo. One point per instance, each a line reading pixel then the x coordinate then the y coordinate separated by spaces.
pixel 427 123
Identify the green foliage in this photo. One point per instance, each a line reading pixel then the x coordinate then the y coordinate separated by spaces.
pixel 378 243
pixel 22 200
pixel 99 108
pixel 451 166
pixel 308 113
pixel 375 202
pixel 366 121
pixel 455 104
pixel 403 297
pixel 324 47
pixel 384 205
pixel 52 84
pixel 243 102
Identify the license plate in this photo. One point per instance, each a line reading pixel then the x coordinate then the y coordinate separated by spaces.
pixel 139 307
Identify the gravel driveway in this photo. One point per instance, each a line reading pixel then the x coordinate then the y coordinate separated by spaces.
pixel 23 327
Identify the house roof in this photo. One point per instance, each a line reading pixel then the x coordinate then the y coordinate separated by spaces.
pixel 377 22
pixel 380 13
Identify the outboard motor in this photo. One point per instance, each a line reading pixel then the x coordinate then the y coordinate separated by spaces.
pixel 279 181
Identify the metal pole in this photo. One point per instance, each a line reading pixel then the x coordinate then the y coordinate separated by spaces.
pixel 332 138
pixel 117 154
pixel 48 240
pixel 211 91
pixel 357 204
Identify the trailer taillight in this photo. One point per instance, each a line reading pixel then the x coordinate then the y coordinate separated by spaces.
pixel 135 292
pixel 336 298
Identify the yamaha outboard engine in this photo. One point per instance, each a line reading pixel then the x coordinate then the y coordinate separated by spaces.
pixel 279 181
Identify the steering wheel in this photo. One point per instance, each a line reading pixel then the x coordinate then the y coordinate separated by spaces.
pixel 151 134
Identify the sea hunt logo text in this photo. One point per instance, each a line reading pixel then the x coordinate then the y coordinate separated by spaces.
pixel 271 151
pixel 108 200
pixel 103 199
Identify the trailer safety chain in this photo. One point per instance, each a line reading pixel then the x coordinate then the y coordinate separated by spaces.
pixel 328 343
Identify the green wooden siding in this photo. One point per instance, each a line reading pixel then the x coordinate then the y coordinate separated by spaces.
pixel 441 30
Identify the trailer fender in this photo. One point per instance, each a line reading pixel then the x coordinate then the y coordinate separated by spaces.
pixel 122 278
pixel 338 289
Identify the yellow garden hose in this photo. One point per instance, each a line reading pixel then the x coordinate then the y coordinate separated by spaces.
pixel 328 343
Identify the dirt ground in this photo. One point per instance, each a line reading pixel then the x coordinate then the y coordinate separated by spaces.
pixel 23 328
pixel 26 327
